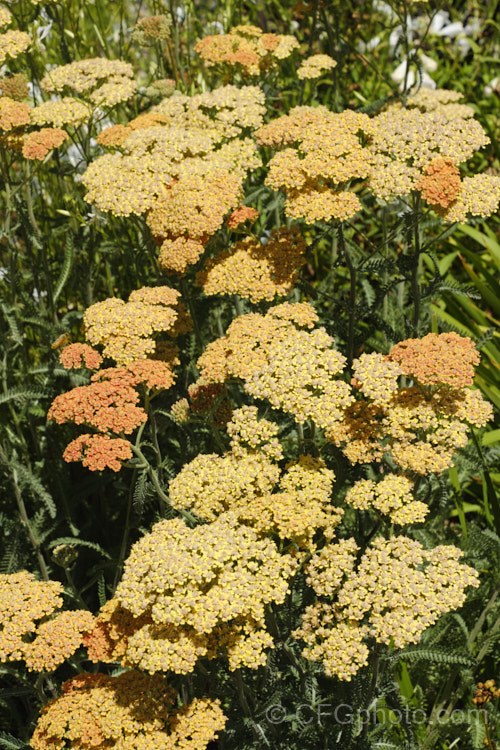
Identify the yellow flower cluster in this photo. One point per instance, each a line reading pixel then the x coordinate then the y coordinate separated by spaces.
pixel 391 496
pixel 247 482
pixel 397 591
pixel 125 330
pixel 194 205
pixel 5 17
pixel 185 584
pixel 246 49
pixel 183 164
pixel 337 644
pixel 65 111
pixel 421 426
pixel 132 711
pixel 105 82
pixel 326 156
pixel 254 270
pixel 294 369
pixel 419 148
pixel 23 599
pixel 315 66
pixel 479 196
pixel 57 639
pixel 13 43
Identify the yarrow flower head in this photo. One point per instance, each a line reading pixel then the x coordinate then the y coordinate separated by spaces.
pixel 15 86
pixel 13 114
pixel 254 270
pixel 133 711
pixel 38 143
pixel 104 82
pixel 397 590
pixel 420 426
pixel 391 495
pixel 125 330
pixel 326 155
pixel 187 583
pixel 246 50
pixel 80 355
pixel 152 29
pixel 292 368
pixel 315 66
pixel 438 359
pixel 65 111
pixel 13 43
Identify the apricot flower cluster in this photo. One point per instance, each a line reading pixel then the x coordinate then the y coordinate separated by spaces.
pixel 132 711
pixel 110 402
pixel 246 50
pixel 422 425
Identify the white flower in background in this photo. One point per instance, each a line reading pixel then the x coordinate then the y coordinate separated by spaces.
pixel 429 66
pixel 491 87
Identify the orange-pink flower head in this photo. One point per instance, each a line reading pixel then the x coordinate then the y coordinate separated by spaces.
pixel 438 359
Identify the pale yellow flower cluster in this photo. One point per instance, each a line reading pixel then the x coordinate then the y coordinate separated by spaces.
pixel 376 377
pixel 183 164
pixel 188 582
pixel 13 43
pixel 316 172
pixel 5 17
pixel 419 148
pixel 246 49
pixel 293 504
pixel 442 99
pixel 132 711
pixel 315 66
pixel 60 112
pixel 391 496
pixel 249 433
pixel 403 588
pixel 254 270
pixel 126 330
pixel 397 591
pixel 292 368
pixel 104 82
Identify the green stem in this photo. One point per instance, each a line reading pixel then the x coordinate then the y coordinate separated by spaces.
pixel 24 516
pixel 352 295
